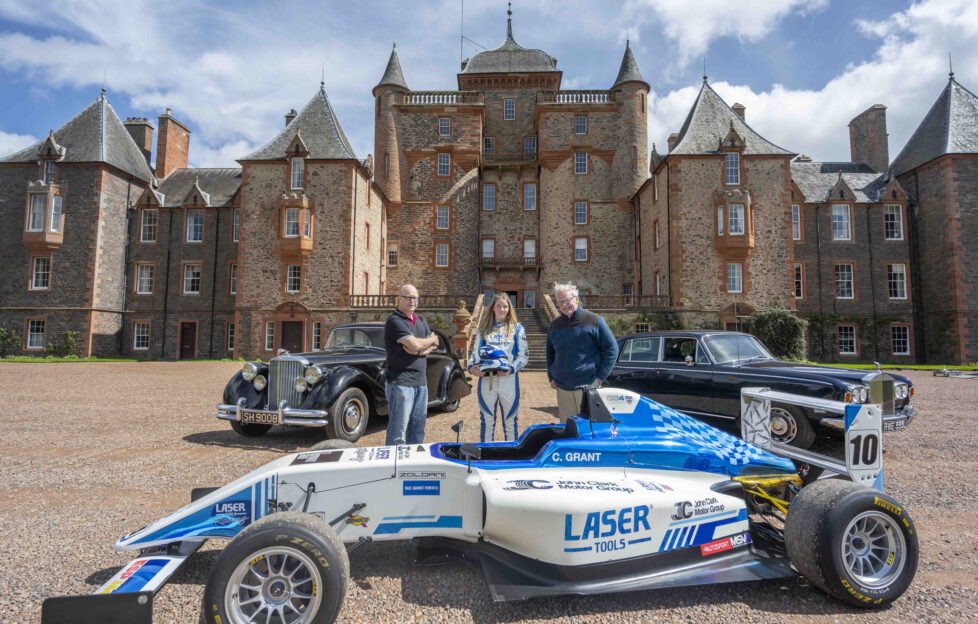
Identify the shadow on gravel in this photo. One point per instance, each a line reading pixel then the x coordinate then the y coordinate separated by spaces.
pixel 281 438
pixel 459 585
pixel 552 411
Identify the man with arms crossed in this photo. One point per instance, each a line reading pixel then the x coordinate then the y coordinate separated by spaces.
pixel 408 339
pixel 581 351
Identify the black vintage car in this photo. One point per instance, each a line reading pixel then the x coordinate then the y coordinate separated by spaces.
pixel 338 388
pixel 701 373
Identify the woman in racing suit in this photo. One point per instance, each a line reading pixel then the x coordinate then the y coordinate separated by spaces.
pixel 499 382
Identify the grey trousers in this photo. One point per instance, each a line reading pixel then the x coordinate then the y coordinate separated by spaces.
pixel 569 401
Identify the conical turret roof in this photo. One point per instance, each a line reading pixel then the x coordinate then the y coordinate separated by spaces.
pixel 950 127
pixel 321 134
pixel 628 72
pixel 510 57
pixel 393 75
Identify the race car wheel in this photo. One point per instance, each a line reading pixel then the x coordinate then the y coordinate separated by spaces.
pixel 852 542
pixel 288 568
pixel 332 445
pixel 450 407
pixel 789 425
pixel 349 415
pixel 249 429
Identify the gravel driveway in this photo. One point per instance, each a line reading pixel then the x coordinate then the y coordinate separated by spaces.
pixel 92 451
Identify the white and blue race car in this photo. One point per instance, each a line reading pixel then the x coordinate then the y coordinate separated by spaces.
pixel 630 495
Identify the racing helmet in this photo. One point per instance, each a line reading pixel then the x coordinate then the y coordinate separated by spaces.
pixel 493 359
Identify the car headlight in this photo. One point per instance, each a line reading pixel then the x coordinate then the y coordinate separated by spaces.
pixel 902 391
pixel 313 374
pixel 260 383
pixel 858 394
pixel 301 385
pixel 249 370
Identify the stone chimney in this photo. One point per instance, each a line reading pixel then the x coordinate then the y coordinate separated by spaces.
pixel 172 145
pixel 868 139
pixel 671 141
pixel 740 109
pixel 141 132
pixel 289 116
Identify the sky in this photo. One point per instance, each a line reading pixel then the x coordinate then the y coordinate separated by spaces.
pixel 230 71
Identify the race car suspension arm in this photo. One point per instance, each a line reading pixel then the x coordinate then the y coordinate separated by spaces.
pixel 349 512
pixel 760 493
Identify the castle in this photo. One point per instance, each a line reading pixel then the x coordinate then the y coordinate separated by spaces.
pixel 507 184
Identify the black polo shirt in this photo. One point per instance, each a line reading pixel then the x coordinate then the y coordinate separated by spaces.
pixel 403 368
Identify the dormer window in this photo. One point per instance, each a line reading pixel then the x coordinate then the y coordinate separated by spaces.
pixel 195 226
pixel 732 168
pixel 298 170
pixel 49 169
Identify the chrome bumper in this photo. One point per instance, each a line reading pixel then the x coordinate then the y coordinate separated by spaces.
pixel 897 421
pixel 281 416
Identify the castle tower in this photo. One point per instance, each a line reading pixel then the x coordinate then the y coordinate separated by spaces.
pixel 631 90
pixel 386 148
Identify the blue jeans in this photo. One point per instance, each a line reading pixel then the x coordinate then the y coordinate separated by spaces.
pixel 407 409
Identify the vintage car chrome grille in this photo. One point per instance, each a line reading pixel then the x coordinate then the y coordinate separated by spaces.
pixel 282 374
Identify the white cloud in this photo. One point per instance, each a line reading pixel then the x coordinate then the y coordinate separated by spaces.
pixel 692 27
pixel 906 74
pixel 10 143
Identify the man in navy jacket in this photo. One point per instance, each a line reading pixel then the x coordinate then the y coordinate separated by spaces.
pixel 581 351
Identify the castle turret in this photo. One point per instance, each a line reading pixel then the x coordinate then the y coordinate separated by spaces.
pixel 630 162
pixel 387 93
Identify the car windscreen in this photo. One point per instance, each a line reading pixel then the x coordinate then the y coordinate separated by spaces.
pixel 732 348
pixel 355 337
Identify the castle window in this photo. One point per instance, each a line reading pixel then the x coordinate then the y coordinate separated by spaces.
pixel 580 162
pixel 195 226
pixel 844 288
pixel 441 220
pixel 626 290
pixel 147 225
pixel 35 222
pixel 799 274
pixel 191 279
pixel 441 255
pixel 896 280
pixel 444 126
pixel 35 334
pixel 233 279
pixel 900 339
pixel 387 165
pixel 655 232
pixel 529 248
pixel 893 222
pixel 736 219
pixel 293 278
pixel 580 213
pixel 488 196
pixel 840 222
pixel 444 164
pixel 269 335
pixel 658 284
pixel 41 275
pixel 529 196
pixel 317 336
pixel 488 248
pixel 580 124
pixel 847 339
pixel 56 213
pixel 719 220
pixel 230 334
pixel 235 225
pixel 509 110
pixel 291 222
pixel 795 222
pixel 144 279
pixel 392 254
pixel 49 169
pixel 580 249
pixel 735 277
pixel 298 167
pixel 309 227
pixel 530 145
pixel 732 166
pixel 489 145
pixel 140 336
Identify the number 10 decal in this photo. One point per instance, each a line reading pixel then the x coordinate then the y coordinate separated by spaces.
pixel 869 445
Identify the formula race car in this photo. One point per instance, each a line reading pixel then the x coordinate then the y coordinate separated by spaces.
pixel 629 495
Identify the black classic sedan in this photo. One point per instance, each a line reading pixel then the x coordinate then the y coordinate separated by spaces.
pixel 338 388
pixel 701 373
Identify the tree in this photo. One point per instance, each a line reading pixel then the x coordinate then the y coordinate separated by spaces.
pixel 9 338
pixel 66 346
pixel 780 330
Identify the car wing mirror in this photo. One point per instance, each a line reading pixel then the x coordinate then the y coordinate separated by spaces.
pixel 689 360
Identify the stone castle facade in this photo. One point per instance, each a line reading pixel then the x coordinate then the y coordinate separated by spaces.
pixel 507 184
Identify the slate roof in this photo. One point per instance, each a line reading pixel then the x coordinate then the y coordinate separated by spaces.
pixel 219 184
pixel 709 122
pixel 816 179
pixel 321 133
pixel 950 127
pixel 628 72
pixel 393 75
pixel 94 135
pixel 510 57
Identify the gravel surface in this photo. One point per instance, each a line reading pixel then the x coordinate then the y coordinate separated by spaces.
pixel 92 451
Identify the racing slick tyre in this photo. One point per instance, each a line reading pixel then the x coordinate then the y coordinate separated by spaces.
pixel 249 429
pixel 789 425
pixel 450 407
pixel 288 567
pixel 349 415
pixel 852 542
pixel 332 445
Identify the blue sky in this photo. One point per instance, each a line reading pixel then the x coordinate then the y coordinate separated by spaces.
pixel 803 68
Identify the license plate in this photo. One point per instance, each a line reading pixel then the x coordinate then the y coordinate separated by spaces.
pixel 895 425
pixel 252 418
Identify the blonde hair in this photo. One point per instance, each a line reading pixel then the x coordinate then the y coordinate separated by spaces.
pixel 489 317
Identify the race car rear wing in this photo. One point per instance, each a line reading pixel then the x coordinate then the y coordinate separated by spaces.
pixel 863 433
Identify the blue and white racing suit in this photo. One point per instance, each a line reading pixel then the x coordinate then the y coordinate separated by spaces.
pixel 502 391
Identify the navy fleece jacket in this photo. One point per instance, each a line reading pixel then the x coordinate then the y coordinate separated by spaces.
pixel 580 349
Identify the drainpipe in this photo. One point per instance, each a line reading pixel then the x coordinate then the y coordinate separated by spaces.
pixel 125 271
pixel 872 287
pixel 166 282
pixel 217 230
pixel 913 238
